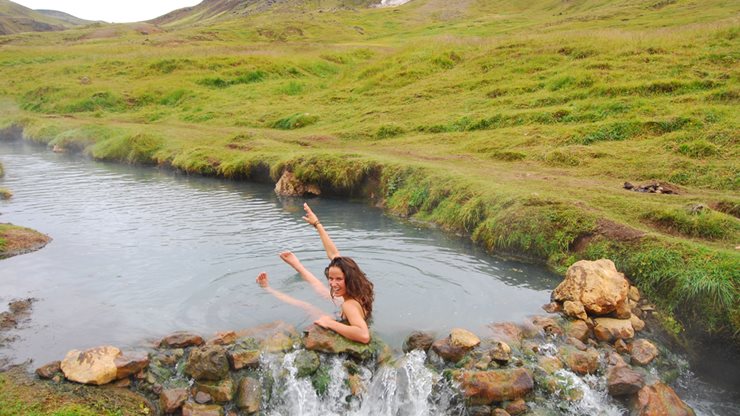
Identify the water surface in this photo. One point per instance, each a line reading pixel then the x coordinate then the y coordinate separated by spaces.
pixel 139 252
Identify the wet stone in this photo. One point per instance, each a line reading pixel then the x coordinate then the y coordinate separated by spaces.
pixel 194 409
pixel 202 397
pixel 418 341
pixel 181 339
pixel 580 362
pixel 517 407
pixel 623 381
pixel 306 363
pixel 48 371
pixel 643 352
pixel 579 330
pixel 249 395
pixel 170 400
pixel 221 391
pixel 479 410
pixel 207 363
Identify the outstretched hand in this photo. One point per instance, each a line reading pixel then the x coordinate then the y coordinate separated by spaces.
pixel 262 280
pixel 310 217
pixel 290 258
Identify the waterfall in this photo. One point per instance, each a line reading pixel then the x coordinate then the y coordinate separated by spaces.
pixel 407 387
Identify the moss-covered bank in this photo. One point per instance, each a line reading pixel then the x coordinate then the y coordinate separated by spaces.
pixel 15 240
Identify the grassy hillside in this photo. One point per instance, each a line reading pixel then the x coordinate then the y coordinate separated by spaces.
pixel 15 18
pixel 513 124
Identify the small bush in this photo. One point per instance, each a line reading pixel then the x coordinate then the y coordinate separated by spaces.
pixel 613 132
pixel 295 121
pixel 292 88
pixel 561 158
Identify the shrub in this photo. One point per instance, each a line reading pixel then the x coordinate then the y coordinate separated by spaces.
pixel 388 130
pixel 699 149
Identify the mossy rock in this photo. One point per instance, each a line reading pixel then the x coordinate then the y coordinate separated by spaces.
pixel 327 341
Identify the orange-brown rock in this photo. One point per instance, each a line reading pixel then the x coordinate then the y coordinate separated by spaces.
pixel 637 323
pixel 574 309
pixel 578 330
pixel 643 352
pixel 194 409
pixel 517 407
pixel 290 185
pixel 507 332
pixel 486 387
pixel 223 338
pixel 249 395
pixel 181 339
pixel 595 284
pixel 463 338
pixel 220 391
pixel 93 366
pixel 580 362
pixel 660 400
pixel 621 380
pixel 130 363
pixel 609 329
pixel 172 399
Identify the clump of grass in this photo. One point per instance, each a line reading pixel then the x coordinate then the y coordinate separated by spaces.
pixel 699 149
pixel 339 174
pixel 562 157
pixel 247 78
pixel 175 98
pixel 508 156
pixel 5 193
pixel 705 224
pixel 2 170
pixel 388 130
pixel 295 121
pixel 617 131
pixel 728 207
pixel 139 148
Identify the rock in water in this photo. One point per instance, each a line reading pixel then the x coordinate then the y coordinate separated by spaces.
pixel 595 284
pixel 289 185
pixel 181 339
pixel 93 366
pixel 325 340
pixel 418 341
pixel 609 329
pixel 660 400
pixel 643 352
pixel 623 381
pixel 486 387
pixel 172 399
pixel 207 363
pixel 249 395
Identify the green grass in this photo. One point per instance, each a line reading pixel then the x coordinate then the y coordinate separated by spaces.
pixel 512 123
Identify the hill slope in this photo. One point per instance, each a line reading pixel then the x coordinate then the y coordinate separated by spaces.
pixel 15 18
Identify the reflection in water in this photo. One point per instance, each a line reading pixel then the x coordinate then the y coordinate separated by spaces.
pixel 139 252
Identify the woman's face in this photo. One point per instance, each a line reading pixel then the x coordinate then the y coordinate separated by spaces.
pixel 336 281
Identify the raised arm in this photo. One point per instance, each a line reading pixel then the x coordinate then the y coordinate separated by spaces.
pixel 315 283
pixel 311 218
pixel 357 329
pixel 313 311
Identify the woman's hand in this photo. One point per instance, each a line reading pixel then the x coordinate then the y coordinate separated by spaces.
pixel 290 258
pixel 325 321
pixel 262 280
pixel 310 217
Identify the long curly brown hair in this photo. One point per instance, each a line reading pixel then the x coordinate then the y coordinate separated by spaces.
pixel 357 286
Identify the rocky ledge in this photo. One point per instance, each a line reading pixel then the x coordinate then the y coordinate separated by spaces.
pixel 532 367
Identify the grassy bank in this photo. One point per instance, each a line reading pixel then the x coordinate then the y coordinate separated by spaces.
pixel 22 395
pixel 513 125
pixel 15 240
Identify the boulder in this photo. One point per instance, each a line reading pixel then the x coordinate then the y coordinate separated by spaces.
pixel 48 371
pixel 552 307
pixel 486 387
pixel 623 311
pixel 220 391
pixel 578 330
pixel 547 325
pixel 207 363
pixel 463 338
pixel 130 363
pixel 418 341
pixel 275 336
pixel 580 362
pixel 574 309
pixel 659 400
pixel 621 380
pixel 643 352
pixel 306 363
pixel 448 352
pixel 289 185
pixel 327 341
pixel 609 329
pixel 194 409
pixel 249 395
pixel 576 343
pixel 93 366
pixel 595 284
pixel 634 294
pixel 172 399
pixel 181 339
pixel 240 358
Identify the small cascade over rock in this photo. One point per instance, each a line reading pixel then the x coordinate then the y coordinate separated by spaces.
pixel 583 359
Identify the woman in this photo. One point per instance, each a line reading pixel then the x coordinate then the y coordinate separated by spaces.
pixel 346 281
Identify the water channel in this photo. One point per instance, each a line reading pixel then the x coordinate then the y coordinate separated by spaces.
pixel 138 253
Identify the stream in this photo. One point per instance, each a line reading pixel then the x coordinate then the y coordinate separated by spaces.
pixel 138 253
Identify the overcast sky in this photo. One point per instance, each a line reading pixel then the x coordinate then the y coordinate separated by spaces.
pixel 115 11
